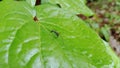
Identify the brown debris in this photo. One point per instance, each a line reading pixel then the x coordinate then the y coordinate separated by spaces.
pixel 83 17
pixel 38 2
pixel 115 45
pixel 35 19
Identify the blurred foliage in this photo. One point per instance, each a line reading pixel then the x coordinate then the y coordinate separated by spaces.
pixel 106 20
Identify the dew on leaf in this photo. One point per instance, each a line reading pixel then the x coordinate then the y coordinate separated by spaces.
pixel 90 55
pixel 71 36
pixel 84 52
pixel 53 63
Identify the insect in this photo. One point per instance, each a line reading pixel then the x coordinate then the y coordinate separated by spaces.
pixel 59 5
pixel 55 32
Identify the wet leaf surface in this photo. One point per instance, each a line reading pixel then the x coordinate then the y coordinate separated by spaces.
pixel 59 39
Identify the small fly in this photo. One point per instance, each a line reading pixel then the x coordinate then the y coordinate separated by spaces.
pixel 55 32
pixel 59 5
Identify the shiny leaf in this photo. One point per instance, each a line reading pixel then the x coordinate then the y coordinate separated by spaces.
pixel 49 37
pixel 76 6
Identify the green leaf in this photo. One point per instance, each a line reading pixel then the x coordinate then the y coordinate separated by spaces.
pixel 105 32
pixel 31 2
pixel 57 39
pixel 76 6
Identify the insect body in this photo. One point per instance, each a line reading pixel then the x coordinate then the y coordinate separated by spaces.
pixel 55 32
pixel 59 5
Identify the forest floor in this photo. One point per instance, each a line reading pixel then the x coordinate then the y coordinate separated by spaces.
pixel 106 21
